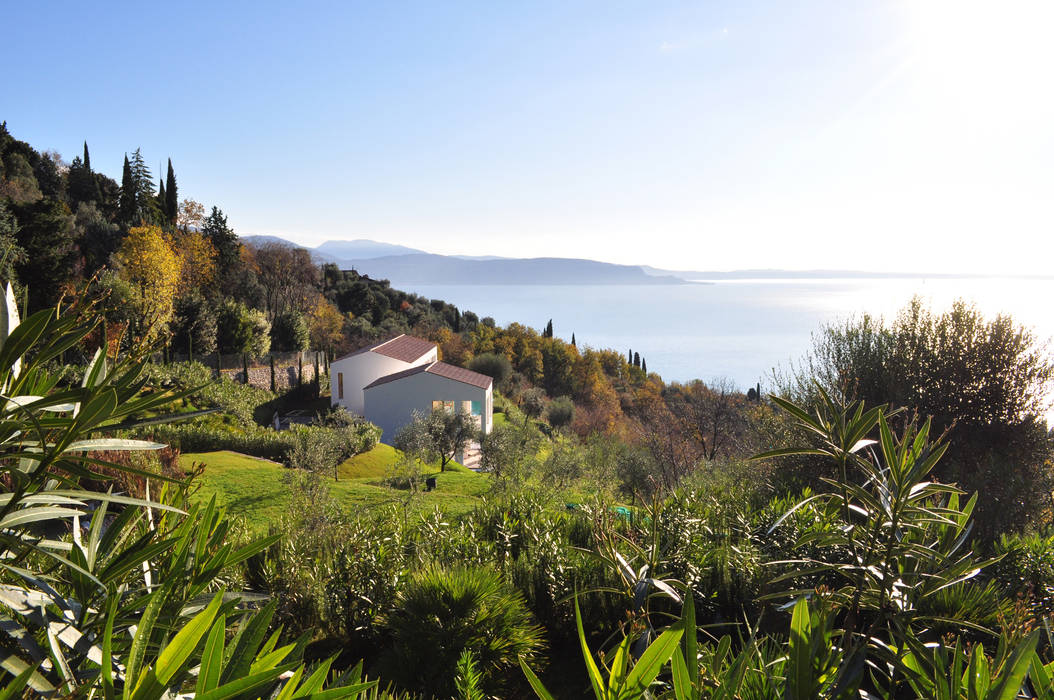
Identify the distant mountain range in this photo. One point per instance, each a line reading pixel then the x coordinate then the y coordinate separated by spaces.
pixel 405 266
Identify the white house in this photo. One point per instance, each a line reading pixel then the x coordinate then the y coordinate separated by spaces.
pixel 387 382
pixel 392 400
pixel 348 375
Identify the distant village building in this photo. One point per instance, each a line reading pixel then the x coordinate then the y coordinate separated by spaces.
pixel 387 382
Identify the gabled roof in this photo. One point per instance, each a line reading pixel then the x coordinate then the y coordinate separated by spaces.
pixel 440 369
pixel 403 347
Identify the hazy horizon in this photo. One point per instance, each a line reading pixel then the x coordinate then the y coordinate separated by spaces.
pixel 908 135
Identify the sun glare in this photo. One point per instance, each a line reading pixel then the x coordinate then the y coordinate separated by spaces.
pixel 973 51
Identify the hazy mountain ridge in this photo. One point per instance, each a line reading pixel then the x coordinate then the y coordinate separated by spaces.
pixel 392 262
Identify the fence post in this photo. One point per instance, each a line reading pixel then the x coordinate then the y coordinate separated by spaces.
pixel 318 381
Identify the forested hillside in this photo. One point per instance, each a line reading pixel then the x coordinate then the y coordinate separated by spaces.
pixel 892 539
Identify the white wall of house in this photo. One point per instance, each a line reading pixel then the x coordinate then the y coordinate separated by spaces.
pixel 356 371
pixel 390 406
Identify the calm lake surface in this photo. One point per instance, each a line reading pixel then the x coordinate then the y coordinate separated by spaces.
pixel 739 330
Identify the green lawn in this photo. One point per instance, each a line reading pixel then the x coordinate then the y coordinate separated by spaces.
pixel 252 489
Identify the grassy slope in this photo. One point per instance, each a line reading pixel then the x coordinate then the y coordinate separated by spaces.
pixel 252 489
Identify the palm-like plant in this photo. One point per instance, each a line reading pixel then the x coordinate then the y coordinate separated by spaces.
pixel 440 613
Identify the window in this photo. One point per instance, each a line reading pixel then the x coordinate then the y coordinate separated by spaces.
pixel 340 385
pixel 477 408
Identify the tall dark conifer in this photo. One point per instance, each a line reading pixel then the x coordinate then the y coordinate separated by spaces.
pixel 126 203
pixel 573 339
pixel 636 359
pixel 644 365
pixel 171 194
pixel 161 199
pixel 87 158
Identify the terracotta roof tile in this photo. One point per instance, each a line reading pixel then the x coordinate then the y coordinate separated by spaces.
pixel 405 347
pixel 460 374
pixel 402 347
pixel 440 369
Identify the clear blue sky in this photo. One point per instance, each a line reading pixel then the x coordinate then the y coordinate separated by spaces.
pixel 870 134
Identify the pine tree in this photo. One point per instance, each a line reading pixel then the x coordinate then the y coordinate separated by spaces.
pixel 636 359
pixel 142 186
pixel 228 249
pixel 171 207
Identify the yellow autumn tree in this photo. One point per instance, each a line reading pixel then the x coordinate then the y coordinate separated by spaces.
pixel 148 264
pixel 197 258
pixel 326 324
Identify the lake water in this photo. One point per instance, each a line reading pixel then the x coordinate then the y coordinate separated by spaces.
pixel 738 330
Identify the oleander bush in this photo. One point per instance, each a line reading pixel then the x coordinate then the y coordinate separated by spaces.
pixel 107 595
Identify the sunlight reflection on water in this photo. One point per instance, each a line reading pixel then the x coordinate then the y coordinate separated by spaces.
pixel 736 329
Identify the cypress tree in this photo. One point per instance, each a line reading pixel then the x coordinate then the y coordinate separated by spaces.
pixel 636 359
pixel 274 386
pixel 629 357
pixel 300 369
pixel 171 194
pixel 126 203
pixel 161 197
pixel 573 339
pixel 644 365
pixel 87 158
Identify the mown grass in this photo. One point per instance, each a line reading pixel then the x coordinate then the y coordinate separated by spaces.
pixel 253 490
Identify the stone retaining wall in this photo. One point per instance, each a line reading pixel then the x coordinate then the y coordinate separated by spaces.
pixel 284 376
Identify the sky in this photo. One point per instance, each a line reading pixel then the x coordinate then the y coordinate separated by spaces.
pixel 895 135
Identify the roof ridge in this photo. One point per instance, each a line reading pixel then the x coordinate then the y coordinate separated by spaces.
pixel 375 348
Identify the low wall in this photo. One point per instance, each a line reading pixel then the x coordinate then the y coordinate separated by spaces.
pixel 284 376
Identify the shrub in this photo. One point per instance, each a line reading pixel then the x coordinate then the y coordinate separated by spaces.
pixel 210 436
pixel 497 367
pixel 243 401
pixel 443 612
pixel 289 332
pixel 561 411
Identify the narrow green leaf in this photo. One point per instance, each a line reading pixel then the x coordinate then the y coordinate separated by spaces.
pixel 535 682
pixel 653 659
pixel 799 664
pixel 1015 670
pixel 176 652
pixel 595 679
